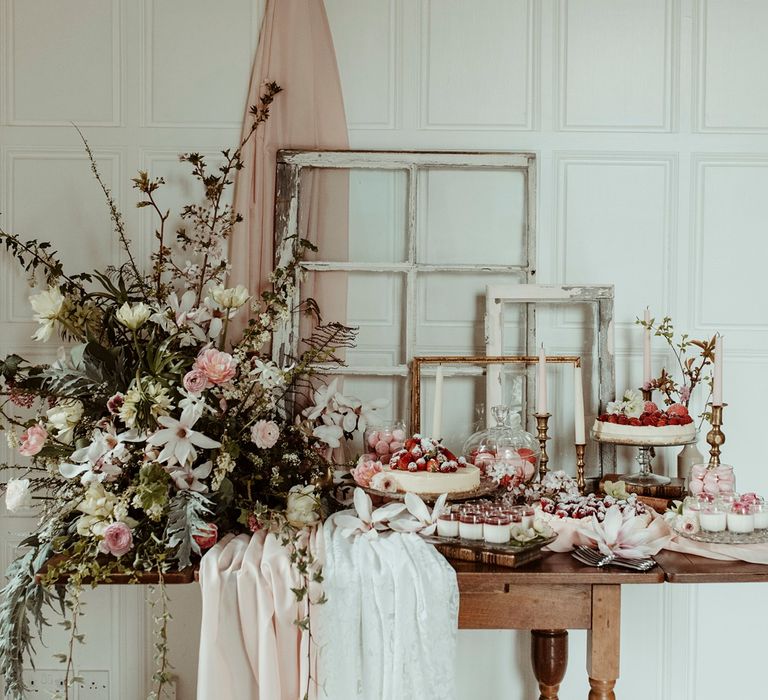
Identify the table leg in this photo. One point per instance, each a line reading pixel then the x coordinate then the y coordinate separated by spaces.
pixel 549 655
pixel 603 641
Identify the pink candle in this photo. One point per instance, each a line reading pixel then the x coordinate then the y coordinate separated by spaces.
pixel 647 349
pixel 717 379
pixel 541 384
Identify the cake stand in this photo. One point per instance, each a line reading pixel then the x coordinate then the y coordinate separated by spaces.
pixel 645 453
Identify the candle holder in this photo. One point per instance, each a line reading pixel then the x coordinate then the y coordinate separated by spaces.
pixel 647 394
pixel 542 426
pixel 715 437
pixel 581 482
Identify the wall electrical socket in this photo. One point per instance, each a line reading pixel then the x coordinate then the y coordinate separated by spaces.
pixel 42 683
pixel 94 685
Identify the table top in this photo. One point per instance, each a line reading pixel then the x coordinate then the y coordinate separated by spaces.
pixel 688 568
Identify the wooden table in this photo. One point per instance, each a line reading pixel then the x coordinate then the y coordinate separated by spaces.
pixel 557 593
pixel 549 597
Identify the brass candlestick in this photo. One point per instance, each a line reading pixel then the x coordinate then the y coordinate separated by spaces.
pixel 542 421
pixel 581 482
pixel 715 437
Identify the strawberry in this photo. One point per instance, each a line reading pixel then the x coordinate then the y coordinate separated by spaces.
pixel 410 443
pixel 650 407
pixel 431 466
pixel 449 455
pixel 405 460
pixel 527 455
pixel 677 409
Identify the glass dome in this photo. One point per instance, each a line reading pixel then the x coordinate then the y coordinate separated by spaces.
pixel 506 443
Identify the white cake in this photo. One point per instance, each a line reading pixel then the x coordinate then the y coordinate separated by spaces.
pixel 643 434
pixel 466 478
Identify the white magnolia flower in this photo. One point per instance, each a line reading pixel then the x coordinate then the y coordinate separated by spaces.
pixel 232 298
pixel 322 397
pixel 367 521
pixel 135 316
pixel 622 534
pixel 189 479
pixel 522 534
pixel 63 417
pixel 329 434
pixel 357 414
pixel 103 458
pixel 302 506
pixel 270 376
pixel 48 307
pixel 17 495
pixel 421 519
pixel 179 439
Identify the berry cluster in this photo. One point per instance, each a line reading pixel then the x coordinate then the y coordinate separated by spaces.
pixel 579 507
pixel 676 414
pixel 420 454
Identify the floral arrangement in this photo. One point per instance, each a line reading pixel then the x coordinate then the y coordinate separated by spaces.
pixel 156 430
pixel 693 367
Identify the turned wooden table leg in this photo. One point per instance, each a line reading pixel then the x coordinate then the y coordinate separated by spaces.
pixel 603 642
pixel 549 655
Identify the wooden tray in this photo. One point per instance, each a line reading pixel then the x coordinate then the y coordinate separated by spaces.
pixel 508 555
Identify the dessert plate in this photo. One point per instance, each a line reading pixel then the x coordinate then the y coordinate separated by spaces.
pixel 487 487
pixel 726 537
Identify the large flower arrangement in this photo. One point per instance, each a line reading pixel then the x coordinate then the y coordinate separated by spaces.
pixel 156 429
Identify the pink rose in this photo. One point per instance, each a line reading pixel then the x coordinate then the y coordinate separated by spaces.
pixel 195 381
pixel 264 434
pixel 365 470
pixel 118 540
pixel 217 366
pixel 32 440
pixel 207 538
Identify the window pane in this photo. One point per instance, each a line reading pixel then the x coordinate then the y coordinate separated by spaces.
pixel 471 216
pixel 372 301
pixel 450 313
pixel 362 217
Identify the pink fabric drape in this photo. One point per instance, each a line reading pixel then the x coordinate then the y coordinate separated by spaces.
pixel 296 51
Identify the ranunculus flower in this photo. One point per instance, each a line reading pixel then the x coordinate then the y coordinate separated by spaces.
pixel 264 434
pixel 207 539
pixel 232 298
pixel 365 470
pixel 135 316
pixel 48 307
pixel 118 540
pixel 64 416
pixel 195 381
pixel 32 440
pixel 217 366
pixel 301 509
pixel 17 495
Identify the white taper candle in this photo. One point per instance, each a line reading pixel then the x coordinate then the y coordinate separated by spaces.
pixel 437 415
pixel 578 407
pixel 717 378
pixel 647 349
pixel 541 383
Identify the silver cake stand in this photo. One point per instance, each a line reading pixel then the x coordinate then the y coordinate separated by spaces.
pixel 645 455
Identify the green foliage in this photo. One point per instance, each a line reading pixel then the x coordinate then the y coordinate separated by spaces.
pixel 186 519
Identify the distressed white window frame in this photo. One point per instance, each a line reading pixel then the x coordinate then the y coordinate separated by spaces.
pixel 598 297
pixel 290 164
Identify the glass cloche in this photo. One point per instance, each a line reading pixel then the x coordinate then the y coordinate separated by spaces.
pixel 506 444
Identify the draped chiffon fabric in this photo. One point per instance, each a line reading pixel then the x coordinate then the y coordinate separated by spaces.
pixel 296 51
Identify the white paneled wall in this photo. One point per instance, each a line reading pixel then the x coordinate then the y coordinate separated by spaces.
pixel 650 121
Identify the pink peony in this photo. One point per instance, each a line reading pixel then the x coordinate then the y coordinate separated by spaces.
pixel 32 440
pixel 118 540
pixel 264 434
pixel 366 469
pixel 217 366
pixel 115 403
pixel 207 538
pixel 195 381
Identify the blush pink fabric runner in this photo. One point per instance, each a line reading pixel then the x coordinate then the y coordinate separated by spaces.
pixel 296 51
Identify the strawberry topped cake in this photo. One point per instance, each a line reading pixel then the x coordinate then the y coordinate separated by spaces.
pixel 639 422
pixel 423 465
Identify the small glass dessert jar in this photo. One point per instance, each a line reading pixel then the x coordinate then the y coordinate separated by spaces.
pixel 384 440
pixel 471 526
pixel 515 514
pixel 741 518
pixel 713 517
pixel 760 511
pixel 496 529
pixel 528 516
pixel 448 525
pixel 692 506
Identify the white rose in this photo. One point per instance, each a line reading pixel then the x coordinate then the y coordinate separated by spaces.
pixel 64 416
pixel 97 501
pixel 634 409
pixel 17 495
pixel 47 306
pixel 302 505
pixel 232 298
pixel 135 316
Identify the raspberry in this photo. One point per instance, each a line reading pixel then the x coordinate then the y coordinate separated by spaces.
pixel 634 421
pixel 650 407
pixel 613 418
